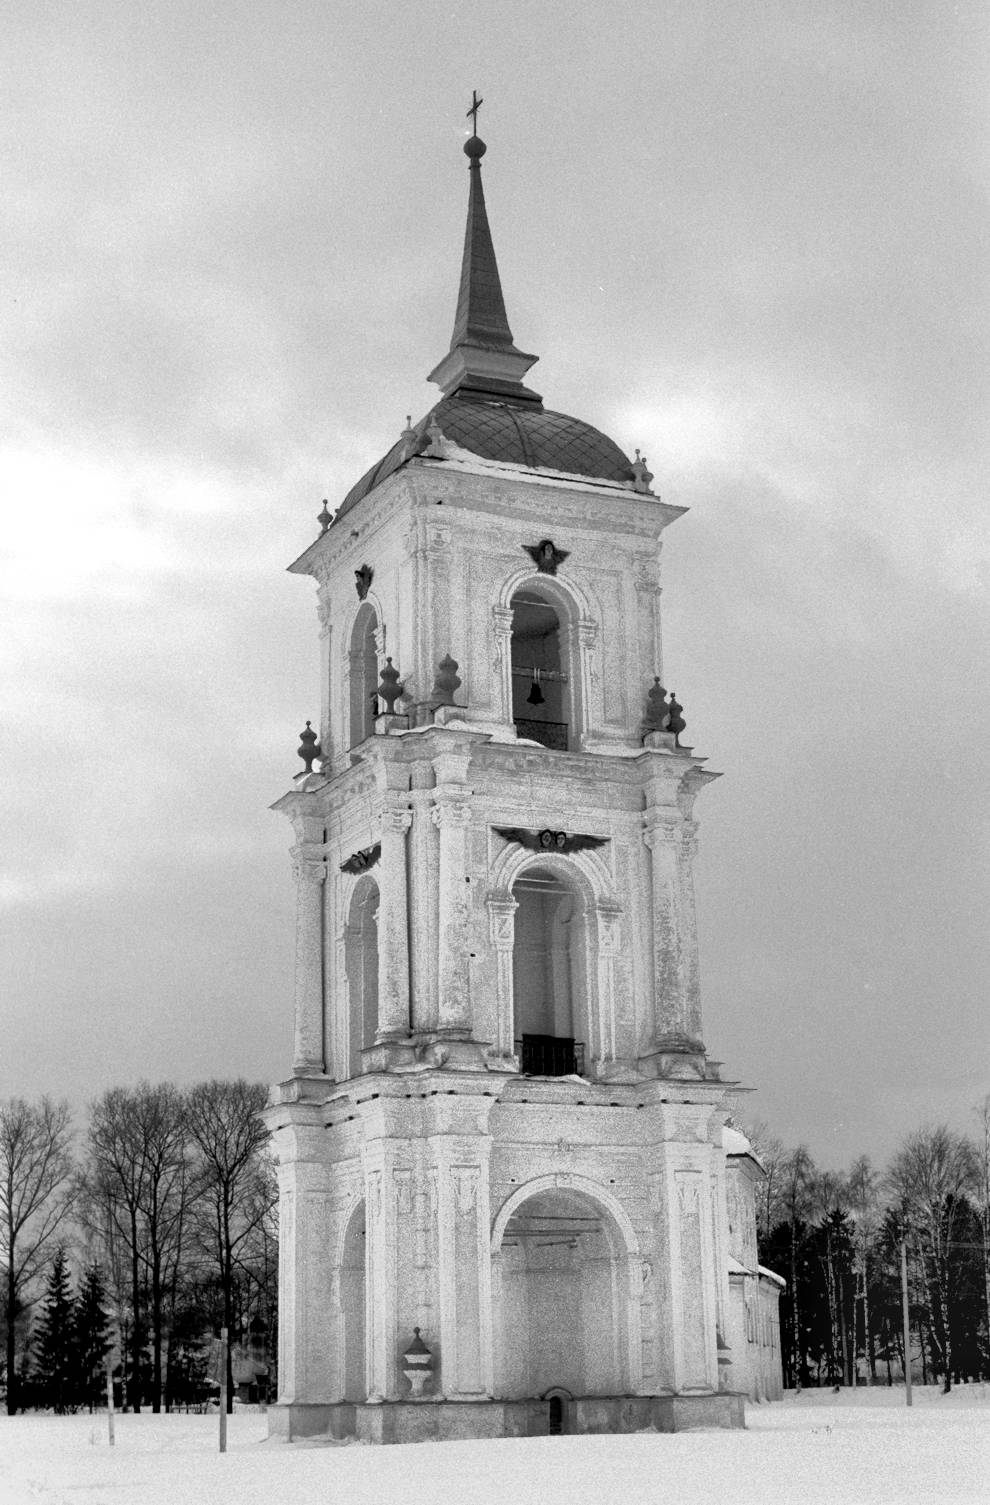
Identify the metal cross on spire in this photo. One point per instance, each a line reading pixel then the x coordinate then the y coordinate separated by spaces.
pixel 476 104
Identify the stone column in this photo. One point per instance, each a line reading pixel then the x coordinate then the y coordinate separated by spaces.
pixel 393 927
pixel 502 635
pixel 502 925
pixel 423 898
pixel 586 698
pixel 309 870
pixel 608 914
pixel 688 917
pixel 452 816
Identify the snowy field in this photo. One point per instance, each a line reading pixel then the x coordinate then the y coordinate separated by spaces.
pixel 817 1449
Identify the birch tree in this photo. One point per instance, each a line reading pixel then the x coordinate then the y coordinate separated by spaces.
pixel 930 1177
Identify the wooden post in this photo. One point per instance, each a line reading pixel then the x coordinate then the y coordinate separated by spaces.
pixel 223 1390
pixel 905 1309
pixel 110 1404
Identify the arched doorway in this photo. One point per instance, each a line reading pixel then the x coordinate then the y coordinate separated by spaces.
pixel 361 957
pixel 562 1299
pixel 549 973
pixel 541 701
pixel 363 674
pixel 352 1302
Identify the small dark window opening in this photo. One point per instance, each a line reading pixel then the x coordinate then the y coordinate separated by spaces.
pixel 556 1418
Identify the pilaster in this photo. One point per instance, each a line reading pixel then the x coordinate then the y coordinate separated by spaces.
pixel 452 817
pixel 464 1266
pixel 393 926
pixel 309 871
pixel 677 1007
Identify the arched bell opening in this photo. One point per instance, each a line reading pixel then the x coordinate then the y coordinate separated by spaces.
pixel 352 1301
pixel 541 699
pixel 562 1300
pixel 363 674
pixel 549 974
pixel 361 956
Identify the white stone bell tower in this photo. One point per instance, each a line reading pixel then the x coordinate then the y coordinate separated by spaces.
pixel 501 1139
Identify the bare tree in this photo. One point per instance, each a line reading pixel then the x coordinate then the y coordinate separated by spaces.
pixel 797 1177
pixel 862 1187
pixel 984 1196
pixel 229 1137
pixel 139 1174
pixel 35 1199
pixel 772 1156
pixel 930 1177
pixel 828 1202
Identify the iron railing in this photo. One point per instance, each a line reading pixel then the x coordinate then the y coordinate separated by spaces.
pixel 552 734
pixel 550 1055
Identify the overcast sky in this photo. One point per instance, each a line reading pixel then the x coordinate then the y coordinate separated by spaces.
pixel 749 238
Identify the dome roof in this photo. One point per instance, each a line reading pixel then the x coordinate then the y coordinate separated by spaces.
pixel 513 432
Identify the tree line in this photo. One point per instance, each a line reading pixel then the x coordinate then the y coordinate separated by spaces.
pixel 842 1239
pixel 152 1232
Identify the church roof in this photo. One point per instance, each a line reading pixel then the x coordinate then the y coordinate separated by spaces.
pixel 486 409
pixel 498 429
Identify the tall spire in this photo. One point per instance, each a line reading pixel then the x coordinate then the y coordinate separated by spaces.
pixel 482 358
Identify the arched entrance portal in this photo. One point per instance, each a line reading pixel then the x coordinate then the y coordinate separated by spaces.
pixel 352 1303
pixel 549 974
pixel 561 1299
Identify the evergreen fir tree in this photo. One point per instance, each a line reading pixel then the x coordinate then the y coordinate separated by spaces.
pixel 92 1340
pixel 56 1339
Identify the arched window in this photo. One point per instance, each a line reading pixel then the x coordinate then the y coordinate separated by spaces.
pixel 363 674
pixel 541 702
pixel 549 966
pixel 361 953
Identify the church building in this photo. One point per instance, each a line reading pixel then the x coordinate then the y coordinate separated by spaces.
pixel 509 1202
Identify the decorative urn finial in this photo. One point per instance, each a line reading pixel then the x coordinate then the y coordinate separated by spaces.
pixel 419 1365
pixel 445 682
pixel 641 476
pixel 309 747
pixel 324 518
pixel 657 710
pixel 676 724
pixel 389 689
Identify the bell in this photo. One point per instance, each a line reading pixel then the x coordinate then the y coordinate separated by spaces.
pixel 535 696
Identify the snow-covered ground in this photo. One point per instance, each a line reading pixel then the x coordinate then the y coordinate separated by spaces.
pixel 861 1447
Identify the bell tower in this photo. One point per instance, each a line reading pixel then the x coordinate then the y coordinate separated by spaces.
pixel 502 1181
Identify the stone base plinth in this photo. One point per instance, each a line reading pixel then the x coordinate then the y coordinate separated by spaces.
pixel 291 1420
pixel 450 1421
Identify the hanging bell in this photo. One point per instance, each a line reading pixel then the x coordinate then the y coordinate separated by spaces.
pixel 535 696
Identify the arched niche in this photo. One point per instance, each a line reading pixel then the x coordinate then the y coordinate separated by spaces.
pixel 352 1303
pixel 362 674
pixel 551 960
pixel 361 958
pixel 565 1304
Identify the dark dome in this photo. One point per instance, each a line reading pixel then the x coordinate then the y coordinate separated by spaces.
pixel 517 433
